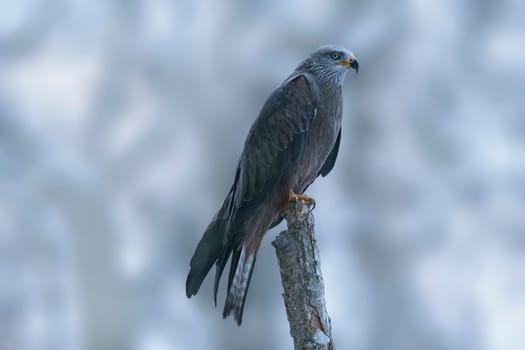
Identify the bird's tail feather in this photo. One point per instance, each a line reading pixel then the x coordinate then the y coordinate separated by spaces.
pixel 221 264
pixel 211 247
pixel 243 261
pixel 206 253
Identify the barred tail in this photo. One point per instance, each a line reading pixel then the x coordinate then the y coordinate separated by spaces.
pixel 243 261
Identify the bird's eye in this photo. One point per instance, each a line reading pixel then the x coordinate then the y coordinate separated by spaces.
pixel 335 55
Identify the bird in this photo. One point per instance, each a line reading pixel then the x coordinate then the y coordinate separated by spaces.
pixel 294 139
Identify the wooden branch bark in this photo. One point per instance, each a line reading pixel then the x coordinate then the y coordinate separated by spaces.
pixel 302 281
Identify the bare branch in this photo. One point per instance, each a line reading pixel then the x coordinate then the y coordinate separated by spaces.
pixel 302 281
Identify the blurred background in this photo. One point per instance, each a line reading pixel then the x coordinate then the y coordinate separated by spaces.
pixel 121 123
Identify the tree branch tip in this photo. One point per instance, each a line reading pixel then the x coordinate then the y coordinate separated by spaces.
pixel 298 210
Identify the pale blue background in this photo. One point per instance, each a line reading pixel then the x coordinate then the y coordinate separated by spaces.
pixel 121 123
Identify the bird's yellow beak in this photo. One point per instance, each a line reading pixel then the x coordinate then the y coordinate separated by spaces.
pixel 351 63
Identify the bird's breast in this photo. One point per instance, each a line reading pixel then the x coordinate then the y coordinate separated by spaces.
pixel 320 141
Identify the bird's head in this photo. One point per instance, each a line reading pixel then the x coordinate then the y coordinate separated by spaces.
pixel 330 61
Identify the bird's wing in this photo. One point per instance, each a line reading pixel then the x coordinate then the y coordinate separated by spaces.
pixel 330 161
pixel 276 139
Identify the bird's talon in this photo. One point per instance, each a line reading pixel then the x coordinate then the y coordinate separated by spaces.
pixel 292 197
pixel 310 202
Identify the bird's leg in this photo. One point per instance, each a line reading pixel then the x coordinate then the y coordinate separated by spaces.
pixel 310 202
pixel 299 207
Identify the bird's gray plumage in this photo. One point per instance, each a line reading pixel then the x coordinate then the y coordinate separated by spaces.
pixel 294 139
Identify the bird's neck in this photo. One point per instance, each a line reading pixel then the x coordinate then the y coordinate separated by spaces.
pixel 330 87
pixel 327 85
pixel 325 76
